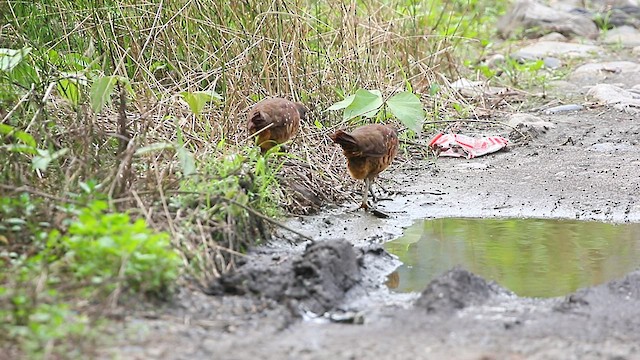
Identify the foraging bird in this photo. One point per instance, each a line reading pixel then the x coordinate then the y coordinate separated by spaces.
pixel 369 149
pixel 275 121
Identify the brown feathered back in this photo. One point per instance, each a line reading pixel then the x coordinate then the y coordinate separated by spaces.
pixel 277 120
pixel 369 149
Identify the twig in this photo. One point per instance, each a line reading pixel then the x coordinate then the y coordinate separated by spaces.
pixel 252 211
pixel 23 99
pixel 44 100
pixel 33 191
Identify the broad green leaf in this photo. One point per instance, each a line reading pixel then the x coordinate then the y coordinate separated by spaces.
pixel 18 134
pixel 25 74
pixel 187 161
pixel 342 104
pixel 68 88
pixel 154 147
pixel 78 77
pixel 101 91
pixel 24 149
pixel 209 95
pixel 408 109
pixel 10 58
pixel 198 99
pixel 364 103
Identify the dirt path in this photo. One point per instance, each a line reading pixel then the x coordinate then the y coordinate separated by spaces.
pixel 586 167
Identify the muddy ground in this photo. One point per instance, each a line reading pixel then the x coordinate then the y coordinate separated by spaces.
pixel 327 300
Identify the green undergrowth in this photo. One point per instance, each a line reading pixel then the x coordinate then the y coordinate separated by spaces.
pixel 124 158
pixel 102 256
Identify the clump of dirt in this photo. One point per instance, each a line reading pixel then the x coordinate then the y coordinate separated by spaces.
pixel 455 290
pixel 316 280
pixel 624 293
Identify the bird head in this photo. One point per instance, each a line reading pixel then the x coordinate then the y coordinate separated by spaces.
pixel 302 110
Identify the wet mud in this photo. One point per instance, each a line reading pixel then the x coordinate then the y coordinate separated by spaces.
pixel 327 299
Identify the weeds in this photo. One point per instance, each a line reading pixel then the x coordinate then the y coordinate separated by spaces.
pixel 102 256
pixel 141 106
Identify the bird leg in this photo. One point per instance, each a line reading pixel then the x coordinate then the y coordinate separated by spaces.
pixel 365 193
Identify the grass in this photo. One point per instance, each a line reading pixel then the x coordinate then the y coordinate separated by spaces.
pixel 140 107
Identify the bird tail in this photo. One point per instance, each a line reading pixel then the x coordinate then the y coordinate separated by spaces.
pixel 346 141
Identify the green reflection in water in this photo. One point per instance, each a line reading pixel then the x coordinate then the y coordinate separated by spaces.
pixel 531 257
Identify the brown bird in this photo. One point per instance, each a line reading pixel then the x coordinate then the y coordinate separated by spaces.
pixel 275 121
pixel 369 149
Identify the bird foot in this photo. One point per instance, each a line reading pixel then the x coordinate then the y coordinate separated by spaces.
pixel 379 214
pixel 371 209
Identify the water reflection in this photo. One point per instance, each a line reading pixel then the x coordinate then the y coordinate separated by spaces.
pixel 531 257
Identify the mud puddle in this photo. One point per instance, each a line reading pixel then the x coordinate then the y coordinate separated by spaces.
pixel 531 257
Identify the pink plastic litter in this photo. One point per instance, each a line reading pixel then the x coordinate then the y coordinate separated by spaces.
pixel 456 145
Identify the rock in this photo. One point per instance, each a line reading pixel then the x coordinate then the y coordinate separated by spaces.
pixel 523 56
pixel 623 73
pixel 317 279
pixel 495 60
pixel 563 108
pixel 626 73
pixel 617 97
pixel 529 14
pixel 626 36
pixel 455 290
pixel 554 36
pixel 552 63
pixel 615 67
pixel 541 49
pixel 636 51
pixel 470 88
pixel 566 5
pixel 619 16
pixel 529 125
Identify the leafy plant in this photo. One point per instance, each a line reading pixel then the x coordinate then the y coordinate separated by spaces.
pixel 107 248
pixel 405 106
pixel 198 99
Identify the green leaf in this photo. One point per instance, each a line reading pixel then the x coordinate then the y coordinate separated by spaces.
pixel 187 161
pixel 154 147
pixel 24 149
pixel 45 157
pixel 18 134
pixel 10 58
pixel 408 109
pixel 101 91
pixel 68 88
pixel 364 102
pixel 342 104
pixel 198 99
pixel 25 75
pixel 127 85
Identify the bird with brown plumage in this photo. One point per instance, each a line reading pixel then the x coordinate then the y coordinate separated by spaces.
pixel 369 150
pixel 274 121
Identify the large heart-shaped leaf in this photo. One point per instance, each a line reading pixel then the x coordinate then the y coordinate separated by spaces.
pixel 342 104
pixel 364 102
pixel 408 109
